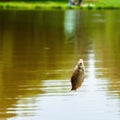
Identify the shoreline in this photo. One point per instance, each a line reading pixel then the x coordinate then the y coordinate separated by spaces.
pixel 55 5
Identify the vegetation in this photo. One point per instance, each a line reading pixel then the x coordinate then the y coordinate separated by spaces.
pixel 63 4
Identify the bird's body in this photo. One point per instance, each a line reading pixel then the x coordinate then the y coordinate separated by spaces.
pixel 78 75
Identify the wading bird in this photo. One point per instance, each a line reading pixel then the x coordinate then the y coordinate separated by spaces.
pixel 78 75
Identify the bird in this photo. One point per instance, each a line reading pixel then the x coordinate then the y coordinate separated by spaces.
pixel 78 75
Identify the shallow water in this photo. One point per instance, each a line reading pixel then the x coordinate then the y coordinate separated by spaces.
pixel 38 51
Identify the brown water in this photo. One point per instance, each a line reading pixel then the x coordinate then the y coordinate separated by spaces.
pixel 38 51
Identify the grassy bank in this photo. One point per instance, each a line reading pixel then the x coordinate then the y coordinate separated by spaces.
pixel 58 5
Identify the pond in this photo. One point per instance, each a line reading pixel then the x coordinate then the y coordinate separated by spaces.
pixel 38 52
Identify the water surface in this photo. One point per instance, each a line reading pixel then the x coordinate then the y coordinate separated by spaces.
pixel 38 51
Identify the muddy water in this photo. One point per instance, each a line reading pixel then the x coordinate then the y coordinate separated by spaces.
pixel 38 51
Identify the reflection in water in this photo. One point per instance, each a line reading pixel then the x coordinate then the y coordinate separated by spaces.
pixel 70 23
pixel 92 85
pixel 37 56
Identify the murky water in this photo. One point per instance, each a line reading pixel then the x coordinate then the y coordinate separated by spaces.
pixel 38 51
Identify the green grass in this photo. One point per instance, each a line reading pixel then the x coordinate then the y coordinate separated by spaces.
pixel 58 5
